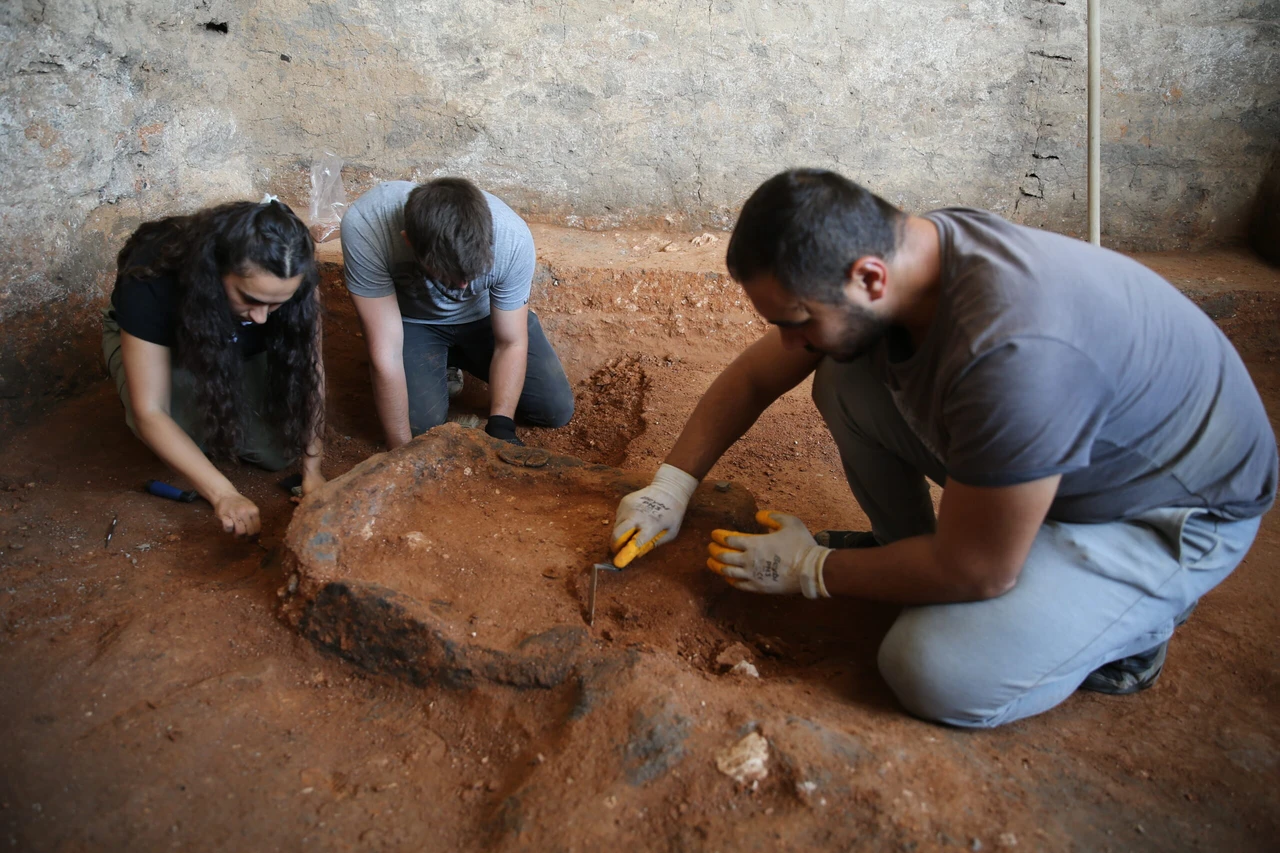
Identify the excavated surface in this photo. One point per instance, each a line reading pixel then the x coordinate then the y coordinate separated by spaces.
pixel 153 699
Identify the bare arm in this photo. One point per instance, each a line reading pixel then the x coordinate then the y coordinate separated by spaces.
pixel 146 370
pixel 510 359
pixel 313 454
pixel 760 375
pixel 982 542
pixel 384 335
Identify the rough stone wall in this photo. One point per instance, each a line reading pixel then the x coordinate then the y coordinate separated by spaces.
pixel 609 112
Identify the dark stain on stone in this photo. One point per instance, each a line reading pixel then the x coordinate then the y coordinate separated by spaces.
pixel 382 631
pixel 656 744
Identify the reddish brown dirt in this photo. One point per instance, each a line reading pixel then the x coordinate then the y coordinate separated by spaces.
pixel 153 699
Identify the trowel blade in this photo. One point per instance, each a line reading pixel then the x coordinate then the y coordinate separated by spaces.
pixel 591 596
pixel 596 568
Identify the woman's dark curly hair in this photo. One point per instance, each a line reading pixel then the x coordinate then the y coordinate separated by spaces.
pixel 197 251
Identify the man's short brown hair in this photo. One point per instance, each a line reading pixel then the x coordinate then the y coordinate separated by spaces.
pixel 450 228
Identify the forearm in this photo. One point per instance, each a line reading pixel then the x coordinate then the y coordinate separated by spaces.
pixel 313 454
pixel 391 399
pixel 721 417
pixel 312 457
pixel 168 441
pixel 506 377
pixel 909 571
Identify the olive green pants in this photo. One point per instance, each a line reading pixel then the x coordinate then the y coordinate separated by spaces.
pixel 260 443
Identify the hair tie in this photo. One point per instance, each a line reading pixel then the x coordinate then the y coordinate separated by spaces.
pixel 268 198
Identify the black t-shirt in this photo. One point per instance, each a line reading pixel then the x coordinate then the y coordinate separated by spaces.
pixel 147 308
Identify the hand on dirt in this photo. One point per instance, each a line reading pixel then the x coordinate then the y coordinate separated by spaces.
pixel 651 516
pixel 238 514
pixel 783 562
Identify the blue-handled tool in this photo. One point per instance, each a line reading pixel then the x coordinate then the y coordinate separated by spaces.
pixel 173 493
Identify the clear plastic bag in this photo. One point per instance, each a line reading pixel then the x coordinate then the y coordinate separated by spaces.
pixel 328 198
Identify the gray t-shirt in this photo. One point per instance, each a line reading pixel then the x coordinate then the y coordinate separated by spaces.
pixel 378 262
pixel 1051 356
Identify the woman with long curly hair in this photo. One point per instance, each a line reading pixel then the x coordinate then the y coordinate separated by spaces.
pixel 213 339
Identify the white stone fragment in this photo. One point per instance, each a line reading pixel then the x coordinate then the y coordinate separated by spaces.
pixel 745 761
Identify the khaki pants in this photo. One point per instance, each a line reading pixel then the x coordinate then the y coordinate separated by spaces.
pixel 260 443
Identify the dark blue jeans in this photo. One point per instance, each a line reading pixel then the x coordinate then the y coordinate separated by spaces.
pixel 546 400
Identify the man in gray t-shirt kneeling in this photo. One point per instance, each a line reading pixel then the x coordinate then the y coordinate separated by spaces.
pixel 1104 456
pixel 440 275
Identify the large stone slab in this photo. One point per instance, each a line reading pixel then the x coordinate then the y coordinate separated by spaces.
pixel 457 558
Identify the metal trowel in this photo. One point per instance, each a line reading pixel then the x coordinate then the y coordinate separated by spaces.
pixel 629 550
pixel 596 568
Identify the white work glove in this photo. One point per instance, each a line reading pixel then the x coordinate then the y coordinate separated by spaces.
pixel 783 562
pixel 651 516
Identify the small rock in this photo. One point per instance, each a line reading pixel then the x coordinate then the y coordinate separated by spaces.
pixel 705 239
pixel 746 669
pixel 745 761
pixel 733 655
pixel 722 486
pixel 671 247
pixel 1007 839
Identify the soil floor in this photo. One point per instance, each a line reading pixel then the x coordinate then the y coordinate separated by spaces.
pixel 152 697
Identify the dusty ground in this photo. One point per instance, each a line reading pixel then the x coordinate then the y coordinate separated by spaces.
pixel 153 699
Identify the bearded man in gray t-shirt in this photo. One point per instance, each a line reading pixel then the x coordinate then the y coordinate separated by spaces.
pixel 1104 456
pixel 440 275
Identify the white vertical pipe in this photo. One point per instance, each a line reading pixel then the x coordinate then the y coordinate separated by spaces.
pixel 1095 126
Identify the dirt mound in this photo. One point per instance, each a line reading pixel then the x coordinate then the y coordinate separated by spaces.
pixel 609 413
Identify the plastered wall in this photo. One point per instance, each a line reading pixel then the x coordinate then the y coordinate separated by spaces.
pixel 601 113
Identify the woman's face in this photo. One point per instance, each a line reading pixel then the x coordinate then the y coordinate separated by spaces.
pixel 254 295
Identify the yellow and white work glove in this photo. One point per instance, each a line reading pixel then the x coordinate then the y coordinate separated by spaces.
pixel 783 562
pixel 651 516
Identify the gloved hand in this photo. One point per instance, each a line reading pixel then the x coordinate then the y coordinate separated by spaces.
pixel 501 426
pixel 651 516
pixel 783 562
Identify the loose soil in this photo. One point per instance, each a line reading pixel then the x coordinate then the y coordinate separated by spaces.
pixel 154 698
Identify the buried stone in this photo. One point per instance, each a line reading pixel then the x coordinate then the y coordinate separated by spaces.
pixel 450 560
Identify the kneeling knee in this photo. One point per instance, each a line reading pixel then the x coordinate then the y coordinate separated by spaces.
pixel 562 414
pixel 555 412
pixel 934 680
